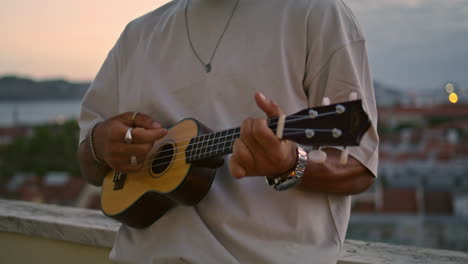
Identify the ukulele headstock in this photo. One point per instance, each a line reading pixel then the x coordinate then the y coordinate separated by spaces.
pixel 342 124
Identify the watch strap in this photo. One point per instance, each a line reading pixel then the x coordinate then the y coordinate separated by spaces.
pixel 284 182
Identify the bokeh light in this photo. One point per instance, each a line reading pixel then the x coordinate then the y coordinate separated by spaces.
pixel 453 98
pixel 60 119
pixel 449 88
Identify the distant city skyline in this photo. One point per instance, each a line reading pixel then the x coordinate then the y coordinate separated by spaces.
pixel 413 44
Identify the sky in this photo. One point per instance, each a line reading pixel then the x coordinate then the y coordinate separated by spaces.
pixel 416 44
pixel 413 44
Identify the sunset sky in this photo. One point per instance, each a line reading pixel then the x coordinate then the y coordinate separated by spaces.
pixel 412 43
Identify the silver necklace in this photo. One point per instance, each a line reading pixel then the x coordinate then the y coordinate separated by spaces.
pixel 207 65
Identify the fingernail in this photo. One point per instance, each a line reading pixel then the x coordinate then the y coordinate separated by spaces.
pixel 156 124
pixel 261 96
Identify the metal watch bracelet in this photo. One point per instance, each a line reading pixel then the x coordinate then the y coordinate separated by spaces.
pixel 282 182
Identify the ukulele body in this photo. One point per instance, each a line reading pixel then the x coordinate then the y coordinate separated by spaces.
pixel 138 199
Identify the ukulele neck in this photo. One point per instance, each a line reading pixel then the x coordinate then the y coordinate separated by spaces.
pixel 341 125
pixel 212 145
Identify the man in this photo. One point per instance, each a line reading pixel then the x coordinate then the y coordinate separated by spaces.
pixel 207 59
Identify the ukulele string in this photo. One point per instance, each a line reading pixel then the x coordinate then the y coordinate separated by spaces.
pixel 223 149
pixel 296 131
pixel 305 117
pixel 218 150
pixel 289 119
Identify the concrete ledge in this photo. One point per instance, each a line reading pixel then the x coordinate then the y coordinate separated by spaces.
pixel 19 249
pixel 82 226
pixel 92 228
pixel 365 252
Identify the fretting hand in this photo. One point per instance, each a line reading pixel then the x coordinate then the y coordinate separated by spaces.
pixel 258 152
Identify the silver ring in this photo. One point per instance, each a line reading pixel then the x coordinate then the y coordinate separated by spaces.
pixel 128 136
pixel 133 161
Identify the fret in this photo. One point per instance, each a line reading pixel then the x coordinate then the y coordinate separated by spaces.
pixel 230 138
pixel 226 139
pixel 204 146
pixel 198 147
pixel 231 143
pixel 209 145
pixel 216 141
pixel 235 135
pixel 221 142
pixel 190 149
pixel 214 145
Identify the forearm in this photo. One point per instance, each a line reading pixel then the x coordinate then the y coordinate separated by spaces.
pixel 92 172
pixel 333 177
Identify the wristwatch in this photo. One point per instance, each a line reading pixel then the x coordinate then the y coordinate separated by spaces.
pixel 293 178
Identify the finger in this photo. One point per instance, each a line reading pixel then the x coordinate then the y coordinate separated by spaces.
pixel 121 160
pixel 121 151
pixel 247 137
pixel 241 160
pixel 264 136
pixel 141 120
pixel 267 105
pixel 236 170
pixel 129 168
pixel 145 136
pixel 235 167
pixel 123 164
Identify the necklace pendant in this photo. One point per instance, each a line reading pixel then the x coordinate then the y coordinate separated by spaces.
pixel 208 67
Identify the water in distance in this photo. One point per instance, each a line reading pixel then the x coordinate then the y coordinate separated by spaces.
pixel 35 112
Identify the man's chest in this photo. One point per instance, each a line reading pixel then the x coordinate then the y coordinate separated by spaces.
pixel 167 76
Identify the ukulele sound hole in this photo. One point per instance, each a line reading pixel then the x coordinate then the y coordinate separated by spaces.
pixel 163 159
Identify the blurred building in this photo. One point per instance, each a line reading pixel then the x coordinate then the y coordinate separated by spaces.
pixel 8 134
pixel 55 187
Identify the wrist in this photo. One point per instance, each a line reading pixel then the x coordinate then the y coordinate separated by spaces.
pixel 292 163
pixel 294 159
pixel 98 160
pixel 293 177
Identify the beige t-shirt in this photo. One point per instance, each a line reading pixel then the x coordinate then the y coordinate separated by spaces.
pixel 294 52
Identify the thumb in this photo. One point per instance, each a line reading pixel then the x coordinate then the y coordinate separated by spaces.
pixel 144 121
pixel 267 105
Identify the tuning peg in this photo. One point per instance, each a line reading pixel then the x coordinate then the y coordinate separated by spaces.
pixel 353 96
pixel 326 101
pixel 317 155
pixel 344 156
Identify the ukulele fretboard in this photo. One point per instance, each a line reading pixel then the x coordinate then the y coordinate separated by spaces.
pixel 212 145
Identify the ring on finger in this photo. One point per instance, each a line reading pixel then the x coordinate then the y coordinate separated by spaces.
pixel 133 161
pixel 128 136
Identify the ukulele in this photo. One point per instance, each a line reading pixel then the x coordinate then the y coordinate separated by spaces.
pixel 180 167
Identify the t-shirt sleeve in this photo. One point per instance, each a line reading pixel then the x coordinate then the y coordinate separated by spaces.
pixel 342 68
pixel 101 100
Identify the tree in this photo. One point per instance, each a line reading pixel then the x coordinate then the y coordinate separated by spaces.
pixel 52 147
